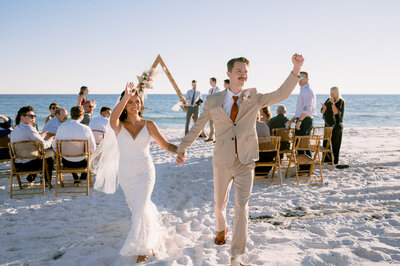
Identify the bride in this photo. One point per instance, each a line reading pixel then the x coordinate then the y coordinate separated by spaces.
pixel 135 171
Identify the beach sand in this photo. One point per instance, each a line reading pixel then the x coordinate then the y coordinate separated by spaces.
pixel 352 218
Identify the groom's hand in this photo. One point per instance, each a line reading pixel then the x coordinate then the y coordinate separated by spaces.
pixel 180 158
pixel 298 61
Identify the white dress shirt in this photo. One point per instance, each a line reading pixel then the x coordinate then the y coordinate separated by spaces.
pixel 99 123
pixel 213 90
pixel 23 132
pixel 75 130
pixel 189 96
pixel 52 125
pixel 306 102
pixel 262 129
pixel 228 101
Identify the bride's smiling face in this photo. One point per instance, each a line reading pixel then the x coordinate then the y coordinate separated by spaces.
pixel 134 105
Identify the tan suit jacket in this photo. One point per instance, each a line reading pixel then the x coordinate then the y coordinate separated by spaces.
pixel 244 127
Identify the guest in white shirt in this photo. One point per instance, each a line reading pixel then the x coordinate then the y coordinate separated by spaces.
pixel 193 102
pixel 60 116
pixel 75 130
pixel 26 131
pixel 100 122
pixel 214 89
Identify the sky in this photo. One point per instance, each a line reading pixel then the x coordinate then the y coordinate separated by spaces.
pixel 55 47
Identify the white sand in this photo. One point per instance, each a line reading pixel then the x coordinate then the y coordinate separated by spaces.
pixel 353 218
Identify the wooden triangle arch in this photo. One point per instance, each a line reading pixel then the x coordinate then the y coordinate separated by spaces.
pixel 171 79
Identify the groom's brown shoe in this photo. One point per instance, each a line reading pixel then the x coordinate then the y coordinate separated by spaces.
pixel 220 238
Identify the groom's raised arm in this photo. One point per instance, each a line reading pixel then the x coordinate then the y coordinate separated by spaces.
pixel 193 133
pixel 287 87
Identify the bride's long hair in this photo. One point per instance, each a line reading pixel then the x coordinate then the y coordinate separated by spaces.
pixel 124 113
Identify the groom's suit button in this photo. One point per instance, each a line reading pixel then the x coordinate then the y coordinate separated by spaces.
pixel 233 138
pixel 234 124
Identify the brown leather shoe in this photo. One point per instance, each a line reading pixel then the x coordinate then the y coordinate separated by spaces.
pixel 220 238
pixel 208 140
pixel 142 258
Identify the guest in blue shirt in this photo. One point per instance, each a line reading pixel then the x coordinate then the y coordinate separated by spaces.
pixel 5 129
pixel 61 115
pixel 305 111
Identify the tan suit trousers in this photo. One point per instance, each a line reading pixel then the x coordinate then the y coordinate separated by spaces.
pixel 242 177
pixel 211 135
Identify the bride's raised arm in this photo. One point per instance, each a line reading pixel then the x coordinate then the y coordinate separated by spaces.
pixel 159 139
pixel 115 123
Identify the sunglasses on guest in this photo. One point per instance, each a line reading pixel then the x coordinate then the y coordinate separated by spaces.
pixel 31 116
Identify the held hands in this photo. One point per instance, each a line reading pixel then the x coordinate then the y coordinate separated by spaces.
pixel 297 60
pixel 180 158
pixel 44 134
pixel 130 89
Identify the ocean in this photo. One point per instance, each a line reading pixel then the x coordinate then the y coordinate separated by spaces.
pixel 360 110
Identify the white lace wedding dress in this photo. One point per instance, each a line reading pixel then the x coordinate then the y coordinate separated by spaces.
pixel 136 175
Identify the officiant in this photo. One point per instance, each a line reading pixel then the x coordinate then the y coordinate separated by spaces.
pixel 193 101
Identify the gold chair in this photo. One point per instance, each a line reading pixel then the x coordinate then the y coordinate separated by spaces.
pixel 71 149
pixel 304 143
pixel 98 135
pixel 325 134
pixel 269 144
pixel 286 136
pixel 27 150
pixel 5 162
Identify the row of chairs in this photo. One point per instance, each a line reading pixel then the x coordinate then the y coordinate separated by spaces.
pixel 35 150
pixel 293 156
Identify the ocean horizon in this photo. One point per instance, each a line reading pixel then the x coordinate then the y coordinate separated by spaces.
pixel 361 110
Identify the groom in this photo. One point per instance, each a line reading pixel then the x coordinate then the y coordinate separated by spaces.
pixel 234 113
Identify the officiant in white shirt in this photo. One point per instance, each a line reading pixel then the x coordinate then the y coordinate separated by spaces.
pixel 193 101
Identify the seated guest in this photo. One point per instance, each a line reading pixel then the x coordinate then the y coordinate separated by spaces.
pixel 263 131
pixel 5 130
pixel 280 121
pixel 265 114
pixel 61 115
pixel 100 122
pixel 26 131
pixel 89 108
pixel 53 107
pixel 75 130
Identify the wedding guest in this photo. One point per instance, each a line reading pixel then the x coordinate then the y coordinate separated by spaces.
pixel 100 122
pixel 226 83
pixel 193 98
pixel 61 115
pixel 279 121
pixel 263 131
pixel 25 130
pixel 5 130
pixel 53 107
pixel 214 89
pixel 82 96
pixel 89 107
pixel 265 114
pixel 236 148
pixel 332 111
pixel 75 130
pixel 305 112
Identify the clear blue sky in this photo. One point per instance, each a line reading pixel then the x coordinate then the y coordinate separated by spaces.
pixel 58 46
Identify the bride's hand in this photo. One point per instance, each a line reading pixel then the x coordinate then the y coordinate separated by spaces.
pixel 130 89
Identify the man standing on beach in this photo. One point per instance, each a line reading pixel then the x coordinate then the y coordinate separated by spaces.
pixel 234 113
pixel 305 112
pixel 192 98
pixel 214 89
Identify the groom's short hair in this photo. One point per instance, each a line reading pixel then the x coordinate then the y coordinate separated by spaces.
pixel 237 59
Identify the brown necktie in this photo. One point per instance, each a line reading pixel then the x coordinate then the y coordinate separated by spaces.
pixel 234 112
pixel 235 108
